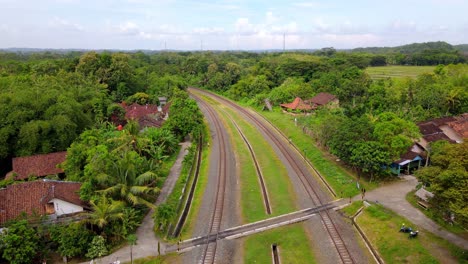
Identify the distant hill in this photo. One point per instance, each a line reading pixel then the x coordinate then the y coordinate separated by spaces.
pixel 412 48
pixel 462 47
pixel 405 49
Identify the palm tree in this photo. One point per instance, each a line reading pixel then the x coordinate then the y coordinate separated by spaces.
pixel 124 182
pixel 104 211
pixel 164 139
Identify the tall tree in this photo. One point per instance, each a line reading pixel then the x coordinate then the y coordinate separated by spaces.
pixel 20 243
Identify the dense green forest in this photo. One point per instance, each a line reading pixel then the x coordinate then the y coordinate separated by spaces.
pixel 429 53
pixel 64 101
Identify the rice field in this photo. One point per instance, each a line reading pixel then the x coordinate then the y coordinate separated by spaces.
pixel 383 72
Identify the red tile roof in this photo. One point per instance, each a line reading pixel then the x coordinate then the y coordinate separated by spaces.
pixel 165 108
pixel 436 137
pixel 429 128
pixel 442 120
pixel 431 131
pixel 321 99
pixel 136 111
pixel 147 121
pixel 38 165
pixel 297 104
pixel 32 197
pixel 460 125
pixel 146 115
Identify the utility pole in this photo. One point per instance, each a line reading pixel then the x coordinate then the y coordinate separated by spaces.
pixel 284 42
pixel 165 45
pixel 201 45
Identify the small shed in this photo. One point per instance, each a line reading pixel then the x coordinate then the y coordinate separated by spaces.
pixel 424 194
pixel 408 162
pixel 162 100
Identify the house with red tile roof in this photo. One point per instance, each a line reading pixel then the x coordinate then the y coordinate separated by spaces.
pixel 42 197
pixel 297 104
pixel 38 165
pixel 451 129
pixel 136 111
pixel 146 115
pixel 323 99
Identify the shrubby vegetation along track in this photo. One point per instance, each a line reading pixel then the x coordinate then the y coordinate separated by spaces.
pixel 309 184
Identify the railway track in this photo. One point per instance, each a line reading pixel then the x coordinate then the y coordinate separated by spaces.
pixel 302 173
pixel 209 252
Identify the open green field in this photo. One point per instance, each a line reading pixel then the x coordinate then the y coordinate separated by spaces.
pixel 383 72
pixel 382 226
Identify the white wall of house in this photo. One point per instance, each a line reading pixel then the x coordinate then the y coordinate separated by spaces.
pixel 63 207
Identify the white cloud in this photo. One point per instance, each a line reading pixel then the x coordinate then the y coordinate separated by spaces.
pixel 230 7
pixel 244 27
pixel 129 28
pixel 306 4
pixel 270 18
pixel 356 40
pixel 319 25
pixel 209 30
pixel 60 23
pixel 403 25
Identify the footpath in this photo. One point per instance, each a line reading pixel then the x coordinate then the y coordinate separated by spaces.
pixel 147 243
pixel 393 196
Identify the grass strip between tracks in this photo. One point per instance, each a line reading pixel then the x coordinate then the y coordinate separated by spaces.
pixel 381 226
pixel 277 182
pixel 292 241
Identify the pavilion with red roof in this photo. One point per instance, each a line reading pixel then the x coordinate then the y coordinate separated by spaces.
pixel 297 104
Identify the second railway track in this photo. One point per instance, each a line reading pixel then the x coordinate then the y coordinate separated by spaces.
pixel 306 181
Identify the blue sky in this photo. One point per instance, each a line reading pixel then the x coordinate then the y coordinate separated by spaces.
pixel 227 25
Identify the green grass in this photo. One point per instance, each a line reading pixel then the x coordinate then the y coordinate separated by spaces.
pixel 456 229
pixel 279 188
pixel 343 183
pixel 170 258
pixel 293 245
pixel 352 209
pixel 383 72
pixel 382 226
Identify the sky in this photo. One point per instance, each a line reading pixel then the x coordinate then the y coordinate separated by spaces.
pixel 229 25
